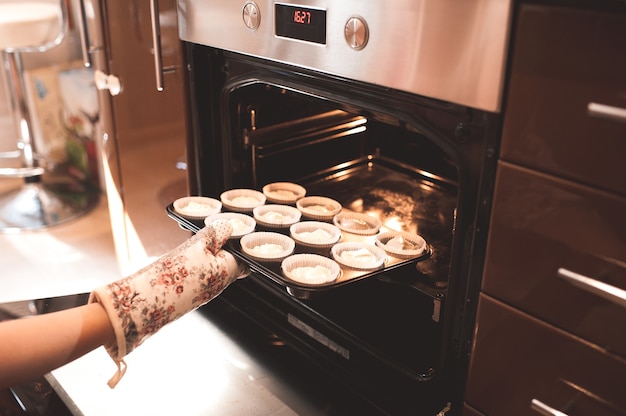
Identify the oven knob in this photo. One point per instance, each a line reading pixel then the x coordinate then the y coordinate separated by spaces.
pixel 356 32
pixel 251 15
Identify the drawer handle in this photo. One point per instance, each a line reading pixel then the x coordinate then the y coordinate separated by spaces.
pixel 156 44
pixel 608 292
pixel 544 409
pixel 607 111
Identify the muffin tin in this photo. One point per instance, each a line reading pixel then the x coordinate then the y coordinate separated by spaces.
pixel 374 240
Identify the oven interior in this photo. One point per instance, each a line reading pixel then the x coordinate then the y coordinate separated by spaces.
pixel 403 159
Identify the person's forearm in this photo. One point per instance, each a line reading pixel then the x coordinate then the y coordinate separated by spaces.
pixel 31 347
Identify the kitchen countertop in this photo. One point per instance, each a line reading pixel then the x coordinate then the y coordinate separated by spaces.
pixel 69 258
pixel 200 366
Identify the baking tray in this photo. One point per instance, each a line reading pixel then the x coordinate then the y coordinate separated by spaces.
pixel 418 203
pixel 273 271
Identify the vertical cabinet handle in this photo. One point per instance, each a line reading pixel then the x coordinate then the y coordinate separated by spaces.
pixel 156 44
pixel 607 111
pixel 82 30
pixel 544 409
pixel 608 292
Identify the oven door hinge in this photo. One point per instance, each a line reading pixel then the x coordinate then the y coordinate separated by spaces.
pixel 445 410
pixel 437 304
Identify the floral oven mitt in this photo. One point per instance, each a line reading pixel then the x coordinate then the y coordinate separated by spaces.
pixel 180 281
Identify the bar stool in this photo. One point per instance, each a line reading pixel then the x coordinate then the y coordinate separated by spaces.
pixel 28 26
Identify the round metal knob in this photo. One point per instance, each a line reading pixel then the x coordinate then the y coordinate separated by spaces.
pixel 251 15
pixel 356 32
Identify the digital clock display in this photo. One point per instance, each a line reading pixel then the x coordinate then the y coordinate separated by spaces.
pixel 300 23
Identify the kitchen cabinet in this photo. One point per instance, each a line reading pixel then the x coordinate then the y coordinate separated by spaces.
pixel 542 224
pixel 143 120
pixel 566 93
pixel 525 362
pixel 549 333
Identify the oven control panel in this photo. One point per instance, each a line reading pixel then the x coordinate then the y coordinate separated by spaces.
pixel 443 49
pixel 306 24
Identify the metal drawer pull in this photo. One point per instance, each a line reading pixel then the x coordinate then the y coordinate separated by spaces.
pixel 156 44
pixel 607 111
pixel 84 37
pixel 544 409
pixel 608 292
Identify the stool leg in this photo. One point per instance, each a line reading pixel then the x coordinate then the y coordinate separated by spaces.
pixel 20 109
pixel 12 63
pixel 33 206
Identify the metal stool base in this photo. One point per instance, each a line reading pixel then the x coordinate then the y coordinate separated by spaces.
pixel 34 206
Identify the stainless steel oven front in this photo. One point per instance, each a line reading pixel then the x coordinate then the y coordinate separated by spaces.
pixel 392 109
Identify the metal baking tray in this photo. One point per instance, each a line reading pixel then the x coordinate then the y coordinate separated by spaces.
pixel 272 269
pixel 414 202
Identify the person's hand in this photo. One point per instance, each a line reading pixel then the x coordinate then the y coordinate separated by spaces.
pixel 180 281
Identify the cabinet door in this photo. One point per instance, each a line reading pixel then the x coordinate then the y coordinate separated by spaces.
pixel 541 224
pixel 564 60
pixel 520 364
pixel 145 128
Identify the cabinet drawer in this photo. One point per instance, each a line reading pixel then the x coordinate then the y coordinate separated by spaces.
pixel 563 60
pixel 540 224
pixel 517 359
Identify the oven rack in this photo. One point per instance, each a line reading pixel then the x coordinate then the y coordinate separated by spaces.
pixel 273 271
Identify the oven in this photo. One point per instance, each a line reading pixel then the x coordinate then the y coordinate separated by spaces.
pixel 394 111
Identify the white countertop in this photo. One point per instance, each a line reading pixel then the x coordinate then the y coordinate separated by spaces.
pixel 74 257
pixel 189 368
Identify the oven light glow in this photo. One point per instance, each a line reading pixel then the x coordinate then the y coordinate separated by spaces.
pixel 394 223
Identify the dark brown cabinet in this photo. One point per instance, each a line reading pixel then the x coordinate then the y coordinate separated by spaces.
pixel 541 224
pixel 550 336
pixel 143 129
pixel 566 91
pixel 525 362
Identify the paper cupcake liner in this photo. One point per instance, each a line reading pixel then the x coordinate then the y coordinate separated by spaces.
pixel 357 223
pixel 416 244
pixel 283 192
pixel 309 204
pixel 331 270
pixel 252 199
pixel 285 215
pixel 296 231
pixel 377 261
pixel 197 207
pixel 235 219
pixel 259 238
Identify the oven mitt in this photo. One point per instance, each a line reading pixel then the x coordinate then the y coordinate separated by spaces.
pixel 180 281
